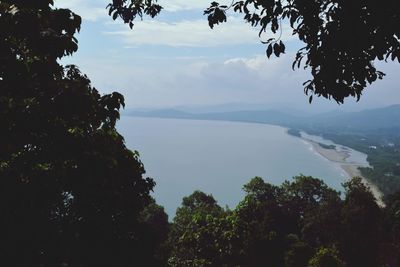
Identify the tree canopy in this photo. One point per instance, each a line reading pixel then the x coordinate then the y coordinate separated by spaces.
pixel 342 39
pixel 301 223
pixel 71 193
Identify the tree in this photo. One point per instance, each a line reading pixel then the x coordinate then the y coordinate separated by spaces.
pixel 342 39
pixel 361 219
pixel 71 193
pixel 326 257
pixel 261 225
pixel 392 218
pixel 298 254
pixel 198 232
pixel 283 225
pixel 154 237
pixel 390 251
pixel 300 223
pixel 315 208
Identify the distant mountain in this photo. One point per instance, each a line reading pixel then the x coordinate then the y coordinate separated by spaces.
pixel 382 120
pixel 377 121
pixel 232 107
pixel 260 116
pixel 162 113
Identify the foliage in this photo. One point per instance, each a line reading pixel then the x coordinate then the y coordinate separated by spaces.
pixel 298 253
pixel 261 225
pixel 326 257
pixel 129 10
pixel 299 223
pixel 361 220
pixel 71 193
pixel 154 240
pixel 392 218
pixel 342 39
pixel 383 156
pixel 327 146
pixel 199 232
pixel 294 132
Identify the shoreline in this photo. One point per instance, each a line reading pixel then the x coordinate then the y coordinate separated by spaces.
pixel 332 155
pixel 351 169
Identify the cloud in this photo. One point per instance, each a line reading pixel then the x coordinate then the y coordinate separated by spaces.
pixel 173 32
pixel 191 33
pixel 202 82
pixel 93 10
pixel 90 10
pixel 180 5
pixel 195 33
pixel 168 82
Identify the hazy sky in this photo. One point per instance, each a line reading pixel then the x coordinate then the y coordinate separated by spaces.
pixel 177 60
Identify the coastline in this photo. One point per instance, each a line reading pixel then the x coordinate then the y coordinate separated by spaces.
pixel 351 169
pixel 339 157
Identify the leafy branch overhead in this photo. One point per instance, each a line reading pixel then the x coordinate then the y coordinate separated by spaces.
pixel 216 14
pixel 342 39
pixel 129 10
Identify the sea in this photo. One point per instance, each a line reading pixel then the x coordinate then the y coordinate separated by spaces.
pixel 219 157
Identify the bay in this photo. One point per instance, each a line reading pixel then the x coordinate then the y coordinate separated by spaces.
pixel 219 157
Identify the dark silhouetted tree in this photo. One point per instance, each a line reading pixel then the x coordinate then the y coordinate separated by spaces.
pixel 71 193
pixel 298 253
pixel 361 220
pixel 154 235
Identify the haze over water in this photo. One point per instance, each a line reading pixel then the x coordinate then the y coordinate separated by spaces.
pixel 219 157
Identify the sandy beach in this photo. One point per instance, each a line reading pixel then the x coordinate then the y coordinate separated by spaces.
pixel 350 168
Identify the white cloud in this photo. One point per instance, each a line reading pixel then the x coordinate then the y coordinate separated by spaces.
pixel 197 77
pixel 91 10
pixel 179 5
pixel 168 5
pixel 187 33
pixel 208 81
pixel 194 33
pixel 201 82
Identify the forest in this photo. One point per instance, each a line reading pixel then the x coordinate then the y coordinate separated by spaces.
pixel 73 194
pixel 302 222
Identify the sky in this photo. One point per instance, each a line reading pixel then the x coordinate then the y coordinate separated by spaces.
pixel 176 60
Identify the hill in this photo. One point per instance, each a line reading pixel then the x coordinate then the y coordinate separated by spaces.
pixel 372 121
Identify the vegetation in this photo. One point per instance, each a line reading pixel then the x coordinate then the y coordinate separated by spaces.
pixel 383 155
pixel 72 194
pixel 300 223
pixel 294 132
pixel 327 146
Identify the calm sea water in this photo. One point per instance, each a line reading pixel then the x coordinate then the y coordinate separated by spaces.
pixel 219 157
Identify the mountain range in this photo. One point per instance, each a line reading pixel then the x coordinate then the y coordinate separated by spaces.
pixel 384 120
